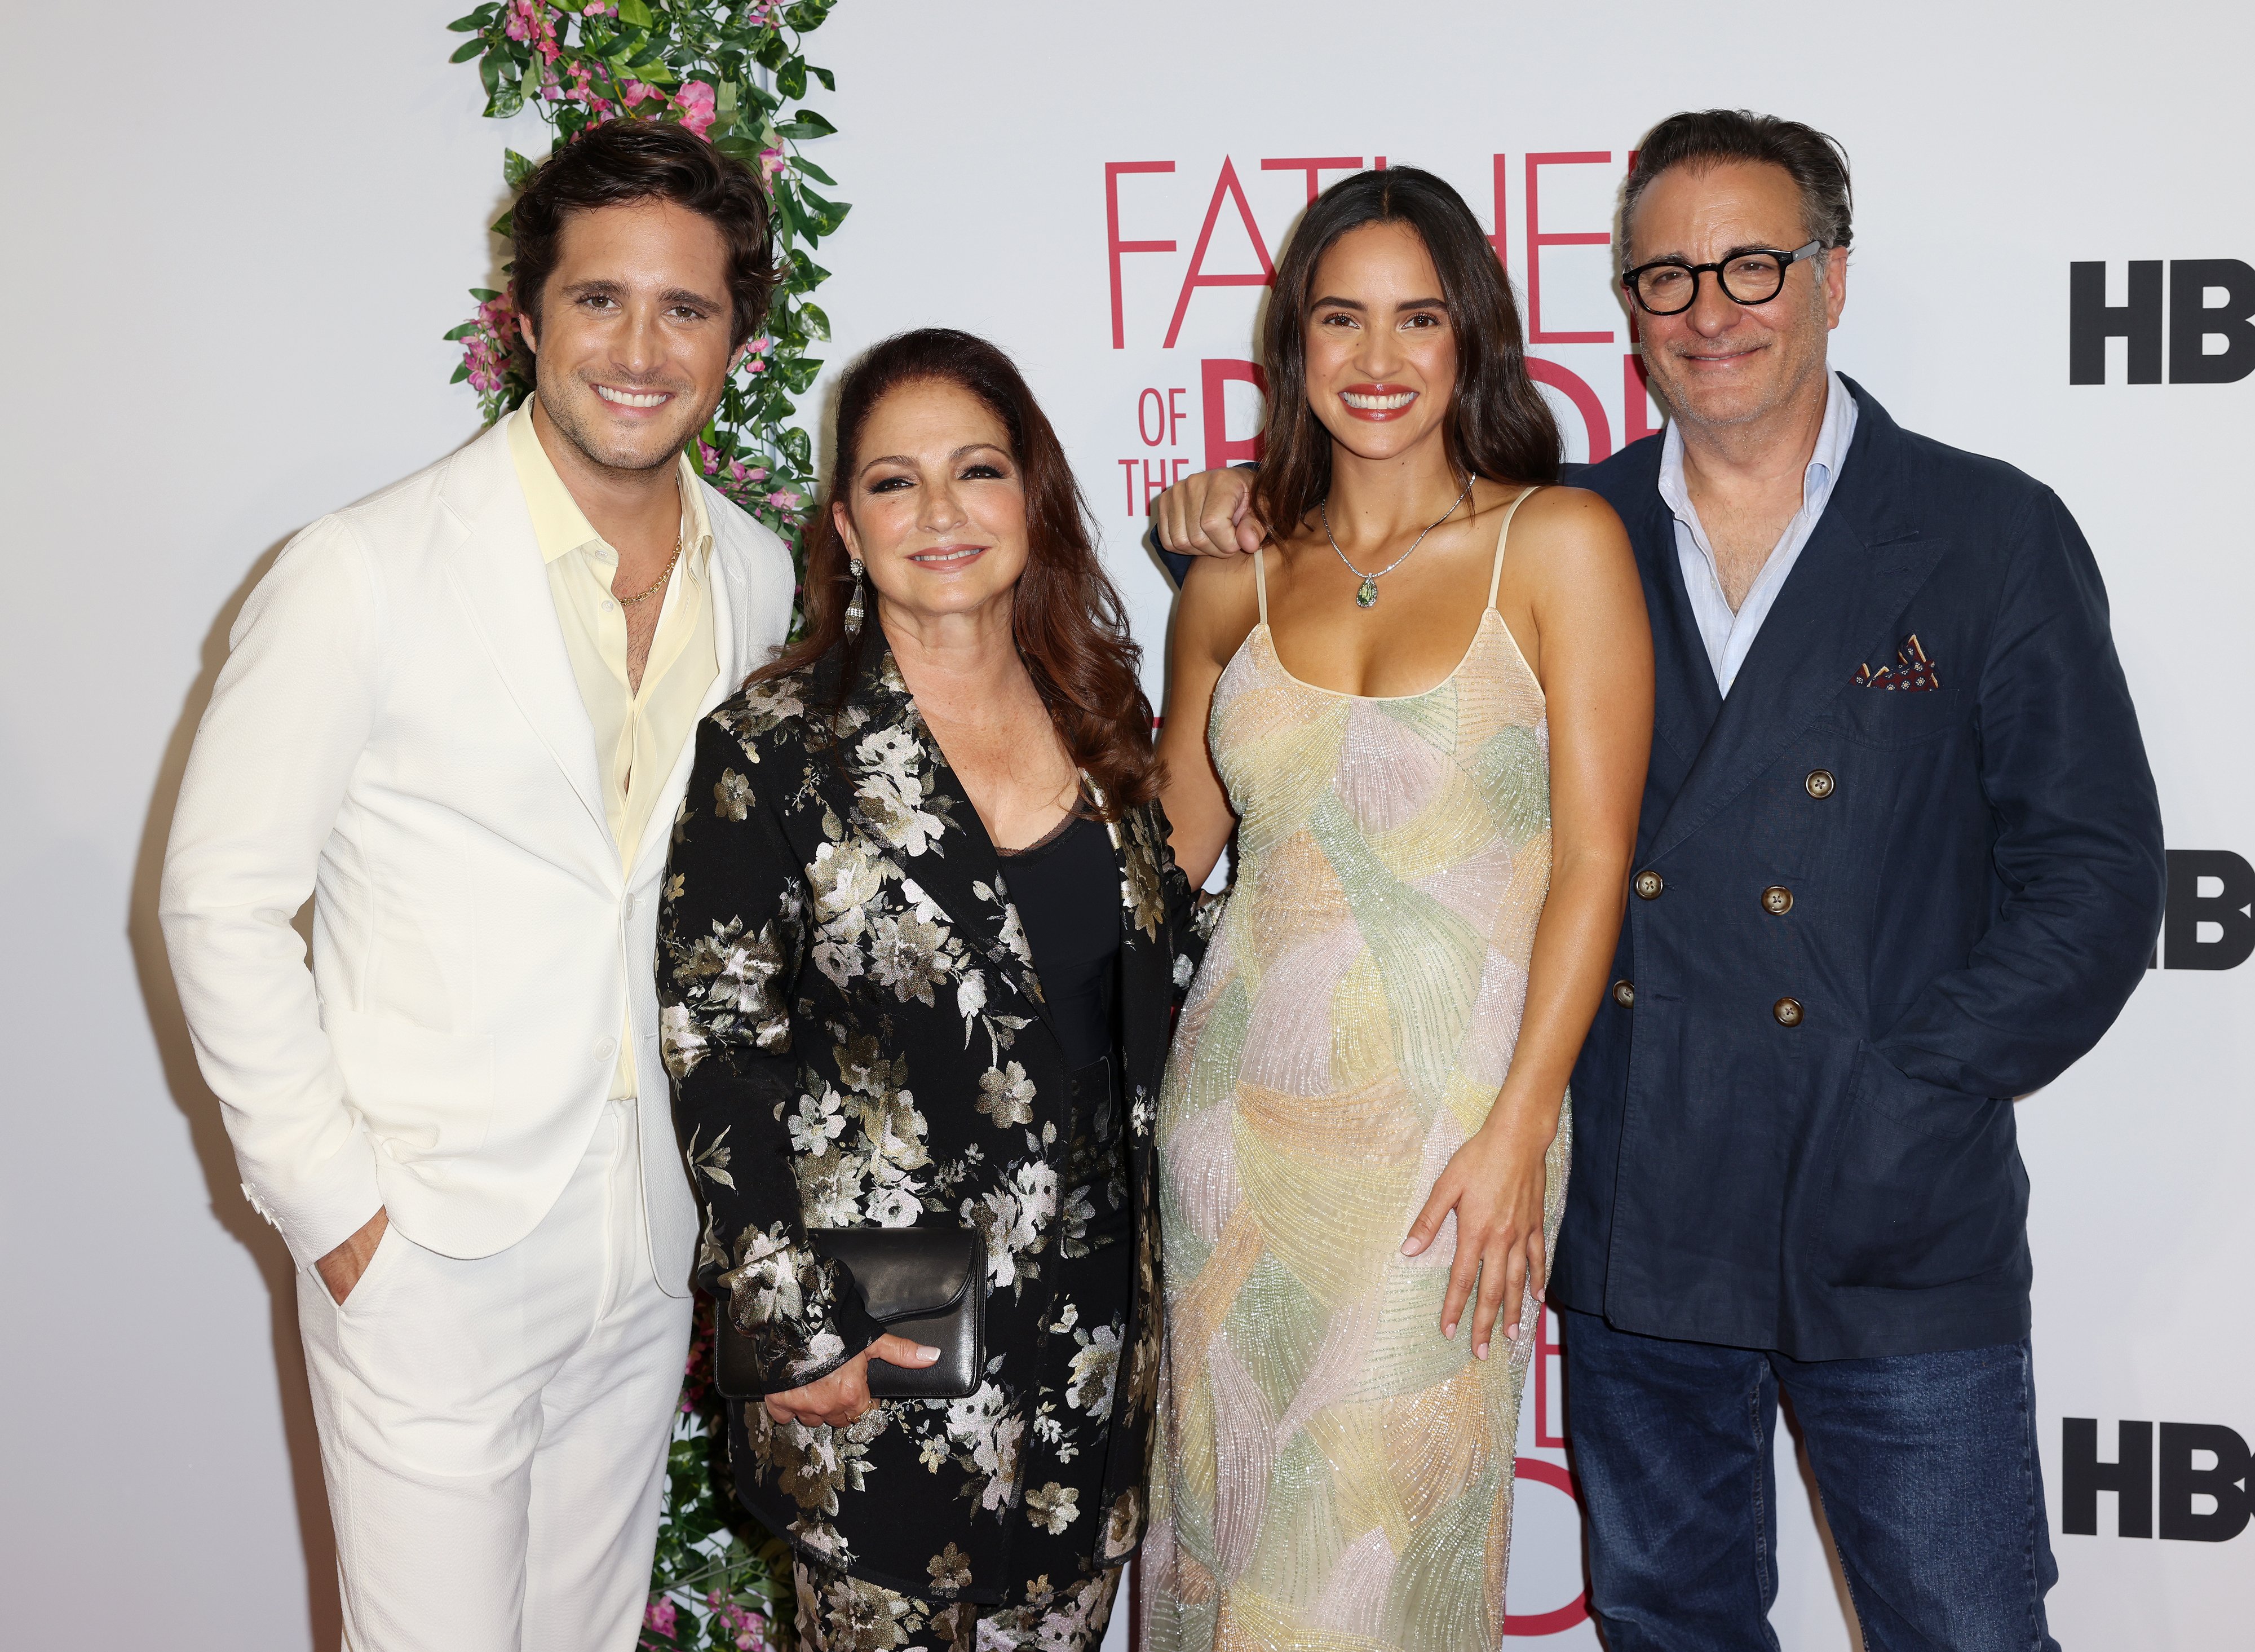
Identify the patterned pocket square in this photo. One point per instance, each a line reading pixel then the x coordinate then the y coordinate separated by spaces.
pixel 1911 673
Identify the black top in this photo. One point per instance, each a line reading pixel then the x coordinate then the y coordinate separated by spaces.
pixel 1066 888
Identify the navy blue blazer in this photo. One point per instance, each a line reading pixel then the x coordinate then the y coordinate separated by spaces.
pixel 1794 1127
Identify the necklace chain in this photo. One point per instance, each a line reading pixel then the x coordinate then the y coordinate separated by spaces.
pixel 651 589
pixel 1367 593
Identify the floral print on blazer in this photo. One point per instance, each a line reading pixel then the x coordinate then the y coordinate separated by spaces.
pixel 857 1037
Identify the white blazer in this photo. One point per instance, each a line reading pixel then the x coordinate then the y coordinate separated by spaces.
pixel 398 732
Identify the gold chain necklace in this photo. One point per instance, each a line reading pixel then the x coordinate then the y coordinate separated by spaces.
pixel 652 589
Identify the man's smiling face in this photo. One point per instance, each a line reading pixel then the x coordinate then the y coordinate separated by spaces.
pixel 1721 362
pixel 635 330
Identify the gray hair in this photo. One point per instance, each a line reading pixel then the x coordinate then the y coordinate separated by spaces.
pixel 1815 161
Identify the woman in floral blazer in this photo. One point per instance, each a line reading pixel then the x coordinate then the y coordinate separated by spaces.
pixel 859 1034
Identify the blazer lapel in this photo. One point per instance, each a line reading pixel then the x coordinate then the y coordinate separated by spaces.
pixel 1685 699
pixel 1861 568
pixel 1146 960
pixel 908 801
pixel 503 585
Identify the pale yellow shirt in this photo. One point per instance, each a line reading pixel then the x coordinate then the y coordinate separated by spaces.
pixel 639 733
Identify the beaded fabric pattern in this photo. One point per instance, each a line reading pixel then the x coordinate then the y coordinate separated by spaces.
pixel 1332 1471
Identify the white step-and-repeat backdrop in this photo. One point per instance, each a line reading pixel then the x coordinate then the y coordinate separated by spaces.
pixel 237 247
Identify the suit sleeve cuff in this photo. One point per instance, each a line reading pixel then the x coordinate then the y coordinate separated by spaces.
pixel 318 1212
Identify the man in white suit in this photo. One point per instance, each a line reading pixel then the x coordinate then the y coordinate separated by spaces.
pixel 459 714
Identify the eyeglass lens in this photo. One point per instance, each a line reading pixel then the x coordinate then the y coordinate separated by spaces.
pixel 1752 277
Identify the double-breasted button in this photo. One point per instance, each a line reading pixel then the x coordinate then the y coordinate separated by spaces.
pixel 1625 994
pixel 1777 900
pixel 1647 885
pixel 1787 1011
pixel 1819 783
pixel 606 1049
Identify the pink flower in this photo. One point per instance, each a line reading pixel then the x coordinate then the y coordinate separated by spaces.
pixel 637 91
pixel 662 1616
pixel 695 100
pixel 771 162
pixel 500 315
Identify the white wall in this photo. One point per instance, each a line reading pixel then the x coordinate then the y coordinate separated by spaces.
pixel 237 235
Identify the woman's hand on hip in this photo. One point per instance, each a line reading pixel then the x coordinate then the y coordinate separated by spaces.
pixel 843 1396
pixel 1494 1182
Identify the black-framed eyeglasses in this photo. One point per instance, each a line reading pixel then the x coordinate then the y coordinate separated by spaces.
pixel 1751 275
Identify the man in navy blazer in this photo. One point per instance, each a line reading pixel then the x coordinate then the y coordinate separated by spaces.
pixel 1899 862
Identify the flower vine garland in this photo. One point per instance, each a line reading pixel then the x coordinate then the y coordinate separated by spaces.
pixel 732 73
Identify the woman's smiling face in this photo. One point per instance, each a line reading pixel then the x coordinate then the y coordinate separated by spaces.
pixel 937 509
pixel 1381 350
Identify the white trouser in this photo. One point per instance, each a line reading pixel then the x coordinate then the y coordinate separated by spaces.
pixel 494 1432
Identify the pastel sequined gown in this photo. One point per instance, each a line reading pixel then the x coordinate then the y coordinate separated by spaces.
pixel 1331 1473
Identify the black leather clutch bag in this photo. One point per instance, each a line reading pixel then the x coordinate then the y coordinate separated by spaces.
pixel 928 1284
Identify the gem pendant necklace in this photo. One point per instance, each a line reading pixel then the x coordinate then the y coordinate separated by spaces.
pixel 1366 595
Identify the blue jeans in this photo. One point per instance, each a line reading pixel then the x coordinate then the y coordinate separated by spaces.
pixel 1926 1464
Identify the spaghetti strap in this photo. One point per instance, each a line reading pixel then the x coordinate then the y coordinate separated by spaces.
pixel 1261 588
pixel 1495 573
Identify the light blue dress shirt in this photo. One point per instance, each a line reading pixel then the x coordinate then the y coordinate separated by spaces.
pixel 1729 635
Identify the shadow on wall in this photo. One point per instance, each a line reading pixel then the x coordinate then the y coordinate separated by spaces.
pixel 205 1131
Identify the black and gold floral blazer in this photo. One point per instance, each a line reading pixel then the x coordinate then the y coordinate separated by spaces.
pixel 857 1038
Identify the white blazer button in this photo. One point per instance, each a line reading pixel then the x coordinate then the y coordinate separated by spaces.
pixel 606 1049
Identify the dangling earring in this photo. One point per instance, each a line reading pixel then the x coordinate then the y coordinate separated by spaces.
pixel 853 609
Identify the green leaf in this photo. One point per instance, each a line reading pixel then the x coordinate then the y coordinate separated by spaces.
pixel 463 332
pixel 477 19
pixel 805 123
pixel 484 295
pixel 791 79
pixel 515 168
pixel 468 50
pixel 501 226
pixel 489 71
pixel 635 12
pixel 829 80
pixel 461 373
pixel 801 164
pixel 817 324
pixel 829 214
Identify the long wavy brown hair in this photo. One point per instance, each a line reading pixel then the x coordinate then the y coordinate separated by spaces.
pixel 1498 425
pixel 1071 631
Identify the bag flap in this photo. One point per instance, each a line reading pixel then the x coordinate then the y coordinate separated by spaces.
pixel 905 1273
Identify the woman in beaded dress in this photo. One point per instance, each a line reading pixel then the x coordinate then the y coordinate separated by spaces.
pixel 1432 763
